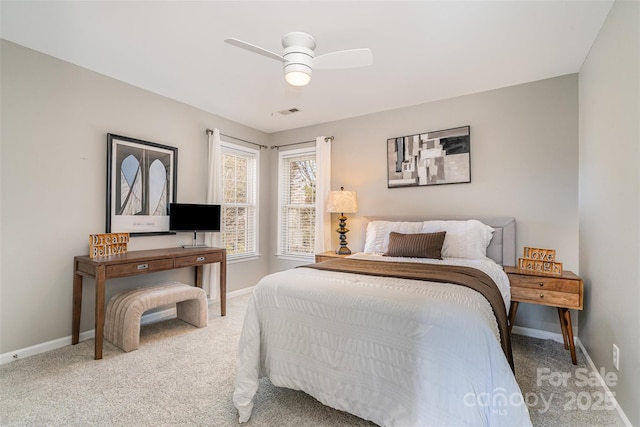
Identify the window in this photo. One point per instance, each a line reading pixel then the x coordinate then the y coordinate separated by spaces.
pixel 297 203
pixel 239 201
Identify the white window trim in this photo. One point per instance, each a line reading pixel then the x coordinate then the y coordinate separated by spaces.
pixel 281 155
pixel 242 258
pixel 299 258
pixel 232 259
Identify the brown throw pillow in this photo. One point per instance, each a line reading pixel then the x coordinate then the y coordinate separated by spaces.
pixel 420 245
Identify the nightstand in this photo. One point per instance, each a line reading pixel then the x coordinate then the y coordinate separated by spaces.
pixel 563 291
pixel 328 255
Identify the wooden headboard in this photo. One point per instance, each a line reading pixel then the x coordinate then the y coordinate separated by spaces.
pixel 502 248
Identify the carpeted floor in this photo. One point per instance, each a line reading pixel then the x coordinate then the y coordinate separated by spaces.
pixel 183 376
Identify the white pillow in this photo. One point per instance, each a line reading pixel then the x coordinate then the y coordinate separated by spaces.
pixel 377 236
pixel 464 239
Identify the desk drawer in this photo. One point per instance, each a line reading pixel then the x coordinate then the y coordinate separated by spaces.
pixel 141 267
pixel 193 260
pixel 544 297
pixel 545 283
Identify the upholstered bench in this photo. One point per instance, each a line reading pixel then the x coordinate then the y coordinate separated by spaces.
pixel 124 310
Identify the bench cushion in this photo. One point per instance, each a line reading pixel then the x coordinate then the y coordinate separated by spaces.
pixel 125 309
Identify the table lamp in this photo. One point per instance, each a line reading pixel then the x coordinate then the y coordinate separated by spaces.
pixel 342 202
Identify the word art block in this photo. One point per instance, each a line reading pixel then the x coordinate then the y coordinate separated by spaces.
pixel 540 254
pixel 107 244
pixel 536 266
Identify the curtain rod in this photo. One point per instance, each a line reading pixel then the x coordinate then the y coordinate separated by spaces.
pixel 326 139
pixel 210 132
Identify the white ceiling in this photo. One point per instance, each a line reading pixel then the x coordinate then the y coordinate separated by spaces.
pixel 422 50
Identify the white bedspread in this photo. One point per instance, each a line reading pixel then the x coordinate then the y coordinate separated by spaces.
pixel 486 265
pixel 394 351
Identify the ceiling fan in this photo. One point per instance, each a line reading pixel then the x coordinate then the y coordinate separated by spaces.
pixel 299 61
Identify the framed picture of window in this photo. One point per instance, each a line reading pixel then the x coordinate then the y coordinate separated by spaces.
pixel 141 182
pixel 429 158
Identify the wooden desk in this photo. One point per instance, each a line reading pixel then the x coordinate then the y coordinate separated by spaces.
pixel 563 291
pixel 132 264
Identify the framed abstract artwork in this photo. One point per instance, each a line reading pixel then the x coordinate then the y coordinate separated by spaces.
pixel 141 182
pixel 429 158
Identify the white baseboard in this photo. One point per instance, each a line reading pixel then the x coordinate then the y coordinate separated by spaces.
pixel 536 333
pixel 62 342
pixel 240 292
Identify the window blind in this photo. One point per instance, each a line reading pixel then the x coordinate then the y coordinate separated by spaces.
pixel 239 200
pixel 297 197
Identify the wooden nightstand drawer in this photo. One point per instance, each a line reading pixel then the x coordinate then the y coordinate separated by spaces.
pixel 556 291
pixel 545 297
pixel 545 283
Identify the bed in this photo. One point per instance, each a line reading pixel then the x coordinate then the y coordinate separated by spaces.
pixel 424 346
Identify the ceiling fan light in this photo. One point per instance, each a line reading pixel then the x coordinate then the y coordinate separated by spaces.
pixel 297 78
pixel 298 57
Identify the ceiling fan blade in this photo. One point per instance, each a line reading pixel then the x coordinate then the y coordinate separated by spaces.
pixel 352 58
pixel 255 49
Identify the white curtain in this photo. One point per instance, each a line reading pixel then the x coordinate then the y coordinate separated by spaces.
pixel 323 186
pixel 211 279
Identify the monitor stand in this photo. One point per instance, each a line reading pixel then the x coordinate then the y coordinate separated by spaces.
pixel 195 245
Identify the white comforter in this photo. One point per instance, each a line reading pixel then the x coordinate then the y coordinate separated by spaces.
pixel 394 351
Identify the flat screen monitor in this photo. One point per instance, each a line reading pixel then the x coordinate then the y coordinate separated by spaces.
pixel 193 218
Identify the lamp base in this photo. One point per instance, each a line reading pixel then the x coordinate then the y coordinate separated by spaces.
pixel 342 231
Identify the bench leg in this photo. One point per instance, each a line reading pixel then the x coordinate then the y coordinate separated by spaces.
pixel 193 311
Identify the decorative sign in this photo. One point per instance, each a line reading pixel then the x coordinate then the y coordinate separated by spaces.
pixel 539 254
pixel 538 260
pixel 540 266
pixel 107 244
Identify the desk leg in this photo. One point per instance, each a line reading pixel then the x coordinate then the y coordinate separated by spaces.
pixel 223 285
pixel 77 306
pixel 199 275
pixel 513 310
pixel 566 314
pixel 100 273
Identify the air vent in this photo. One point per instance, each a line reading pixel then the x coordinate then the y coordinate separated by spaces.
pixel 289 111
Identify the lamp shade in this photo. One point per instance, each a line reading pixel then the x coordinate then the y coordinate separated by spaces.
pixel 342 202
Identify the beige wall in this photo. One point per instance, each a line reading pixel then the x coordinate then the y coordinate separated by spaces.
pixel 55 117
pixel 524 163
pixel 610 200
